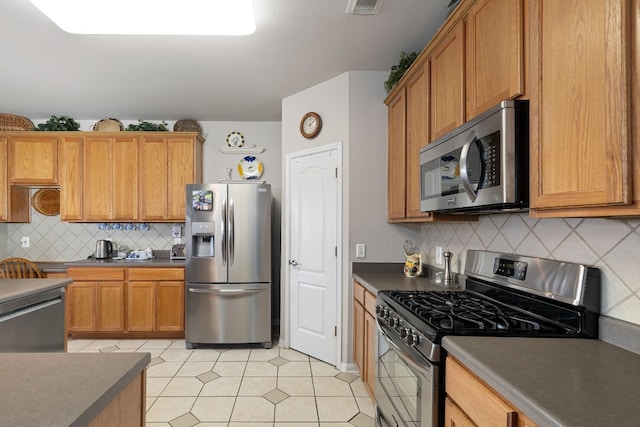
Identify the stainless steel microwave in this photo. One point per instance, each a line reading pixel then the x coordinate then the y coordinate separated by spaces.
pixel 481 166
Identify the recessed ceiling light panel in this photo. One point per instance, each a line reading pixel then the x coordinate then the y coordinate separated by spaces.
pixel 140 17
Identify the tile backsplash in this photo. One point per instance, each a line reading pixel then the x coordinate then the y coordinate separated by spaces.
pixel 612 245
pixel 53 240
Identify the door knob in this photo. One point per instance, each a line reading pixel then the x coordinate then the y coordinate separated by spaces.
pixel 293 262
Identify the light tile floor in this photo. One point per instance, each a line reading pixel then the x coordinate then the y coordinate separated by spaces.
pixel 245 386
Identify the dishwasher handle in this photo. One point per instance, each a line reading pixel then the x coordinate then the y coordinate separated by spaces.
pixel 29 309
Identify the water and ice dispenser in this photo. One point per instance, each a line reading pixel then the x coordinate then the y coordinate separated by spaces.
pixel 203 239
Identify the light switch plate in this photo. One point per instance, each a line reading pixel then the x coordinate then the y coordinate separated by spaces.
pixel 361 250
pixel 439 259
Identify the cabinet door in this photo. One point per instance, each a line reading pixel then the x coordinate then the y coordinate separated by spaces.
pixel 417 137
pixel 447 83
pixel 153 178
pixel 81 306
pixel 70 178
pixel 358 337
pixel 141 306
pixel 97 183
pixel 494 54
pixel 170 306
pixel 33 160
pixel 581 125
pixel 124 172
pixel 110 306
pixel 4 184
pixel 182 171
pixel 454 417
pixel 396 158
pixel 370 351
pixel 110 179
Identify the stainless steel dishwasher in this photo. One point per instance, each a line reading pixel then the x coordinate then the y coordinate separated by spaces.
pixel 33 323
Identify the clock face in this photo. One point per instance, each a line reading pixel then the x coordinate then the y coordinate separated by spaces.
pixel 310 125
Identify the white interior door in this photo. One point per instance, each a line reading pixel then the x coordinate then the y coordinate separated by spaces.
pixel 313 261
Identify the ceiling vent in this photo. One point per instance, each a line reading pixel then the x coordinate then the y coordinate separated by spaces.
pixel 364 7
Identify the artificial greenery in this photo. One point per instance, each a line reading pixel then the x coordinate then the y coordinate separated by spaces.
pixel 62 123
pixel 397 71
pixel 148 126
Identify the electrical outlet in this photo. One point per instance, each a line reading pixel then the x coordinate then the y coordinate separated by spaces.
pixel 176 231
pixel 439 260
pixel 25 242
pixel 361 249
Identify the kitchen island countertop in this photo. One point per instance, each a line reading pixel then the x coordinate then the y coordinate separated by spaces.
pixel 557 382
pixel 59 389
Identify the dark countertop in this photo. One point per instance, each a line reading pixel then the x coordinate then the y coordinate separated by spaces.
pixel 557 381
pixel 154 262
pixel 389 276
pixel 161 260
pixel 12 289
pixel 59 389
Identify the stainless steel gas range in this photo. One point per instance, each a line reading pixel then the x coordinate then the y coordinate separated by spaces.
pixel 505 295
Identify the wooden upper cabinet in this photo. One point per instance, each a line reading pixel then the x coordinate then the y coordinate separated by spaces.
pixel 70 178
pixel 184 168
pixel 494 54
pixel 396 158
pixel 447 83
pixel 4 184
pixel 417 134
pixel 110 178
pixel 33 160
pixel 584 67
pixel 153 178
pixel 167 165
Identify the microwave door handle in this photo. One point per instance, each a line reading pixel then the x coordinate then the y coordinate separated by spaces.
pixel 464 172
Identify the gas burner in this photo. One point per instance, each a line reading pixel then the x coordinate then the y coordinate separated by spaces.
pixel 466 312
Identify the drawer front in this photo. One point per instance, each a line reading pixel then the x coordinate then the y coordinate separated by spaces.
pixel 358 292
pixel 479 402
pixel 95 273
pixel 166 273
pixel 370 302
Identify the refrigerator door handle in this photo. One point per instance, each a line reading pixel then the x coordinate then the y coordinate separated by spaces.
pixel 223 231
pixel 224 291
pixel 231 231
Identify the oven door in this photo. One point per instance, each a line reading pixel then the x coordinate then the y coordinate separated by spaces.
pixel 406 386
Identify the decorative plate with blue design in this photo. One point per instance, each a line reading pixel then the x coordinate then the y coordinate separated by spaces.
pixel 250 167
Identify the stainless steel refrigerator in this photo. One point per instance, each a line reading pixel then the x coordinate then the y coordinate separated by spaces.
pixel 228 264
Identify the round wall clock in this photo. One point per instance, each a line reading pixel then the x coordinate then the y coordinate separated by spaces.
pixel 310 125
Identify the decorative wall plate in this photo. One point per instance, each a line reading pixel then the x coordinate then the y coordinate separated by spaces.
pixel 46 201
pixel 250 167
pixel 235 139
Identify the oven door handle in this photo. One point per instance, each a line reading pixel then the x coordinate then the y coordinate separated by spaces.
pixel 408 357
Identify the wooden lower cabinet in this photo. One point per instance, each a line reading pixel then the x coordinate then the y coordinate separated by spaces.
pixel 142 303
pixel 96 300
pixel 156 300
pixel 470 402
pixel 364 335
pixel 127 409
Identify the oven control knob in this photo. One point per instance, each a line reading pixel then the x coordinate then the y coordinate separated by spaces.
pixel 414 340
pixel 385 313
pixel 394 321
pixel 404 333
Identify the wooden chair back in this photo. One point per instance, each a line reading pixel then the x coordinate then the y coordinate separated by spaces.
pixel 19 268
